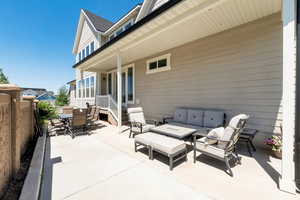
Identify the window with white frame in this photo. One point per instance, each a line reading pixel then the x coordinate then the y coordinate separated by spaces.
pixel 123 28
pixel 92 47
pixel 87 87
pixel 79 89
pixel 128 86
pixel 159 64
pixel 83 88
pixel 87 50
pixel 92 86
pixel 109 85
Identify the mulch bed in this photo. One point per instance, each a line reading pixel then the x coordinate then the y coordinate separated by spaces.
pixel 15 186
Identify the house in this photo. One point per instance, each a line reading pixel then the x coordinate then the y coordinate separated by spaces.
pixel 47 97
pixel 33 91
pixel 234 55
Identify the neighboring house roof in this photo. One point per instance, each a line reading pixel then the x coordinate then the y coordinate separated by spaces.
pixel 72 81
pixel 46 97
pixel 99 23
pixel 135 26
pixel 33 89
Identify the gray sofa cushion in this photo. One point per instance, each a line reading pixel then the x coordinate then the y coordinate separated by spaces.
pixel 213 119
pixel 180 115
pixel 195 117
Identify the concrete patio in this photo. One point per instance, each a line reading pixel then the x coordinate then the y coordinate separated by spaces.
pixel 105 166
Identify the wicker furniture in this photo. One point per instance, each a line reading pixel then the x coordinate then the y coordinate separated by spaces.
pixel 220 142
pixel 78 123
pixel 138 123
pixel 174 149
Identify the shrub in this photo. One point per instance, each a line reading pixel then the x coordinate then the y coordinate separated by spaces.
pixel 46 111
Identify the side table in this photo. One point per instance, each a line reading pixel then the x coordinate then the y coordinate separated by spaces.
pixel 247 136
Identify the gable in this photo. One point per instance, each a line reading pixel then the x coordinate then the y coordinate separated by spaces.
pixel 87 36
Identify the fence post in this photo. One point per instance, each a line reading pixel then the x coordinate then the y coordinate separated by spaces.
pixel 15 92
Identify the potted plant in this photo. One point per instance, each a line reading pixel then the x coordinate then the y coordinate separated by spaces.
pixel 275 142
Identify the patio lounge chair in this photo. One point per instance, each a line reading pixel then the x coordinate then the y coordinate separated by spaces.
pixel 78 123
pixel 138 123
pixel 220 142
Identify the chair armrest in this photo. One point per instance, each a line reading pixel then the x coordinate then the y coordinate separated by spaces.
pixel 215 138
pixel 166 118
pixel 152 121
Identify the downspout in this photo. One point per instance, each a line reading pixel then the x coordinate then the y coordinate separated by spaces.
pixel 297 134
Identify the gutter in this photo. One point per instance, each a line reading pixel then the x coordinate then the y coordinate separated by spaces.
pixel 137 25
pixel 297 128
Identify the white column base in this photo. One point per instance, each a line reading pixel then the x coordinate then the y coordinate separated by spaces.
pixel 287 186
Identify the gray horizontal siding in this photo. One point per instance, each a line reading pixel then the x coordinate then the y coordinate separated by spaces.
pixel 239 71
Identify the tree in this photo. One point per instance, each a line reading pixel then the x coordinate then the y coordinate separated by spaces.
pixel 62 97
pixel 3 78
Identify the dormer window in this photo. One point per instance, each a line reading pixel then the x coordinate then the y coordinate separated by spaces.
pixel 87 50
pixel 80 58
pixel 92 47
pixel 118 32
pixel 123 28
pixel 127 26
pixel 83 53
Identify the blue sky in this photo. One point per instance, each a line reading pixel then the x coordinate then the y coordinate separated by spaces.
pixel 36 37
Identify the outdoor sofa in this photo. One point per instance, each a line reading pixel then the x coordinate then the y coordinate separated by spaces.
pixel 187 121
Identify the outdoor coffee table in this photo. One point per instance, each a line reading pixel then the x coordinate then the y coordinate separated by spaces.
pixel 174 131
pixel 247 136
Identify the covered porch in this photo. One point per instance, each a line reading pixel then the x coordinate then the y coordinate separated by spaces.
pixel 226 54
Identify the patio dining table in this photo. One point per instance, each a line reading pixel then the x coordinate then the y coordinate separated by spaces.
pixel 65 118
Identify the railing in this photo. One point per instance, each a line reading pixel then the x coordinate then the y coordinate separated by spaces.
pixel 108 102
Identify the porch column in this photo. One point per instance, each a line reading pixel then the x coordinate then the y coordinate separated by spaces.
pixel 119 77
pixel 287 180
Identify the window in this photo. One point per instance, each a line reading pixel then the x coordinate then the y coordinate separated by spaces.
pixel 92 47
pixel 83 88
pixel 79 56
pixel 130 84
pixel 127 26
pixel 79 88
pixel 111 36
pixel 87 87
pixel 87 50
pixel 109 83
pixel 159 64
pixel 118 32
pixel 127 79
pixel 92 86
pixel 83 53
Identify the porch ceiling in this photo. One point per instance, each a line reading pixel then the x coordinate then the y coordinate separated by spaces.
pixel 187 21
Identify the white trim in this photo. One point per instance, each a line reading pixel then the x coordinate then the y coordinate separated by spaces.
pixel 287 179
pixel 156 59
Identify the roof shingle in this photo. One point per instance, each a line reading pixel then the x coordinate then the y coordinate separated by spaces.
pixel 99 23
